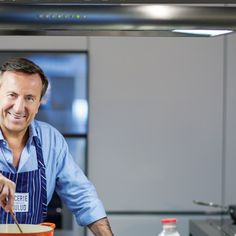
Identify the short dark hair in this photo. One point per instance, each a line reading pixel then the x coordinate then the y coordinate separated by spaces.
pixel 26 66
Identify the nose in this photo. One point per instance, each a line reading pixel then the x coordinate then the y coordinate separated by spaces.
pixel 19 105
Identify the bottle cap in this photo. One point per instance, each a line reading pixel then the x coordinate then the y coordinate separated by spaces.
pixel 168 220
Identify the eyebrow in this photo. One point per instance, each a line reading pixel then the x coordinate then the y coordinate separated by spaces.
pixel 27 95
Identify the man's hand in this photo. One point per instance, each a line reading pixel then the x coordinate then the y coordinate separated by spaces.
pixel 7 191
pixel 101 228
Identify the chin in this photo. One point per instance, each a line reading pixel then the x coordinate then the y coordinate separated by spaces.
pixel 15 127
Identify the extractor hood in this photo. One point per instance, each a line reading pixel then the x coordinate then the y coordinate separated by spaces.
pixel 113 18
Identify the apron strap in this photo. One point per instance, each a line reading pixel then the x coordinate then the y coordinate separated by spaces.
pixel 42 167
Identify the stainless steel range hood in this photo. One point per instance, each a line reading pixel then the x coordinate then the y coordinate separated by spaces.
pixel 105 18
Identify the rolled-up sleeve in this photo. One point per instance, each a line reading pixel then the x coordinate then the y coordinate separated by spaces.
pixel 76 191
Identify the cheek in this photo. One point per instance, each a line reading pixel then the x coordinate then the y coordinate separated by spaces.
pixel 5 104
pixel 37 108
pixel 34 110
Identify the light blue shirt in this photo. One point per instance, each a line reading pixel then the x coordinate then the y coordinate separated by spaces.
pixel 62 173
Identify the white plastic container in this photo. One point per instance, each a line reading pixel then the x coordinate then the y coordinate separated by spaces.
pixel 169 227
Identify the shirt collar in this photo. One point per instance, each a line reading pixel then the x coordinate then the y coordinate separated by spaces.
pixel 32 132
pixel 1 136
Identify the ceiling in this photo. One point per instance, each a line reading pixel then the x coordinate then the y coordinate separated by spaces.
pixel 114 17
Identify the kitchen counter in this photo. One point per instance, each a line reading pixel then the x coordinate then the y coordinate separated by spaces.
pixel 224 227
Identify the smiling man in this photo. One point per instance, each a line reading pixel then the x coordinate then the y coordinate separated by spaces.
pixel 34 156
pixel 20 96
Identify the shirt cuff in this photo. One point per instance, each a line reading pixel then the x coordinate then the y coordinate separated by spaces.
pixel 91 214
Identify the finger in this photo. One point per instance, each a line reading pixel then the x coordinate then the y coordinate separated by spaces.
pixel 10 203
pixel 1 187
pixel 7 192
pixel 7 197
pixel 3 203
pixel 4 196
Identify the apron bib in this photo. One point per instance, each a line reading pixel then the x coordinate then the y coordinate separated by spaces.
pixel 30 205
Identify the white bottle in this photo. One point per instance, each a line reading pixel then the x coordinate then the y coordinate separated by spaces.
pixel 169 227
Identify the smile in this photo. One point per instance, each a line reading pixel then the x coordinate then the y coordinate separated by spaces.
pixel 17 116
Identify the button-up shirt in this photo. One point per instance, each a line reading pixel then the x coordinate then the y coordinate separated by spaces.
pixel 62 173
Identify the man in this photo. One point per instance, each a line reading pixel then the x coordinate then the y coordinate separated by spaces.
pixel 34 157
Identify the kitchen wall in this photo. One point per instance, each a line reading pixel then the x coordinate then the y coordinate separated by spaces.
pixel 230 118
pixel 156 107
pixel 156 128
pixel 162 124
pixel 161 128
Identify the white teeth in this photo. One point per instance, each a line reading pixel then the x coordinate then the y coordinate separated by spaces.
pixel 17 116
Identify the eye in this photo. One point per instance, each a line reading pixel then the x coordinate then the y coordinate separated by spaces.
pixel 11 95
pixel 30 98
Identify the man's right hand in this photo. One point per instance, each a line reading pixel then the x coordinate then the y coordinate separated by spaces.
pixel 7 192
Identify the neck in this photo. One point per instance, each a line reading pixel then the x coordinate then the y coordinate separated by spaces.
pixel 16 139
pixel 16 142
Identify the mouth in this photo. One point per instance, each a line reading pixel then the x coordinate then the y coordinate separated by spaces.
pixel 16 116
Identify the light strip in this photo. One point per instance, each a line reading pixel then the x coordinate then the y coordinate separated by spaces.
pixel 204 32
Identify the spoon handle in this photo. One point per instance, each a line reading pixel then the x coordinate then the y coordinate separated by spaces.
pixel 16 221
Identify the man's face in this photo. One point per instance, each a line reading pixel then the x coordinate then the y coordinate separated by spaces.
pixel 19 101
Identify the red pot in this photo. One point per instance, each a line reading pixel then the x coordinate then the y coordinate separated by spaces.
pixel 44 229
